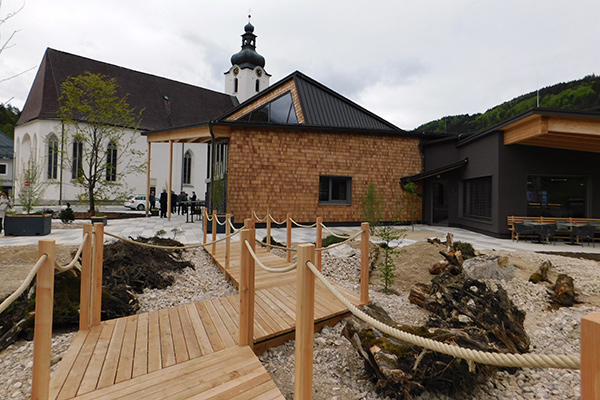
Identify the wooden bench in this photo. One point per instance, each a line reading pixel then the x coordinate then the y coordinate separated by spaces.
pixel 562 233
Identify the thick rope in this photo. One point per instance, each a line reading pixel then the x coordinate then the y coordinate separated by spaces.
pixel 530 360
pixel 259 219
pixel 221 223
pixel 333 246
pixel 303 226
pixel 263 266
pixel 156 246
pixel 277 222
pixel 233 227
pixel 24 285
pixel 333 233
pixel 274 246
pixel 208 217
pixel 74 262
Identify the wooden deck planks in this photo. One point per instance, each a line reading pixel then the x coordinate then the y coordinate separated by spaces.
pixel 168 353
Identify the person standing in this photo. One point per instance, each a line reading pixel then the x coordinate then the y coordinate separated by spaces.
pixel 4 206
pixel 163 203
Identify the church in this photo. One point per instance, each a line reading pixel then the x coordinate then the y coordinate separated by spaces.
pixel 294 146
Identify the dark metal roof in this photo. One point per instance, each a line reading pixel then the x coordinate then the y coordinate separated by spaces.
pixel 322 106
pixel 434 172
pixel 7 146
pixel 325 108
pixel 166 103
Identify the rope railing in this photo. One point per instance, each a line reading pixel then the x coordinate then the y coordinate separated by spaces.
pixel 277 222
pixel 530 360
pixel 24 285
pixel 333 233
pixel 233 227
pixel 274 246
pixel 260 219
pixel 263 266
pixel 184 247
pixel 348 238
pixel 303 226
pixel 74 262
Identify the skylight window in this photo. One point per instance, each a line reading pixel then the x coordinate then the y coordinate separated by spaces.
pixel 278 111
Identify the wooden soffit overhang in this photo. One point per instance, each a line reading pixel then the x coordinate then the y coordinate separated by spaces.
pixel 192 134
pixel 555 131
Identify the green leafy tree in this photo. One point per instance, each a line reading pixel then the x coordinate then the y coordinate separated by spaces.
pixel 371 205
pixel 96 118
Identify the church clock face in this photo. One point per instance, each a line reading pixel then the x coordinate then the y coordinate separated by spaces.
pixel 236 71
pixel 259 73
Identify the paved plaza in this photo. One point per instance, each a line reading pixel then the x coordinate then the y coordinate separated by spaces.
pixel 192 233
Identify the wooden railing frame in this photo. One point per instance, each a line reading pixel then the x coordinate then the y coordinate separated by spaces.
pixel 288 222
pixel 319 242
pixel 228 240
pixel 246 286
pixel 305 323
pixel 42 336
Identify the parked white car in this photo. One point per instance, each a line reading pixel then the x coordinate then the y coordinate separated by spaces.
pixel 138 202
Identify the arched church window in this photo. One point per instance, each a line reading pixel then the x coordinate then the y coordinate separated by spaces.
pixel 111 162
pixel 77 159
pixel 257 86
pixel 235 85
pixel 52 157
pixel 187 168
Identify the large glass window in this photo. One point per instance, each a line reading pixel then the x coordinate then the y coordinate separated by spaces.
pixel 477 197
pixel 77 164
pixel 52 157
pixel 335 190
pixel 278 111
pixel 556 196
pixel 111 162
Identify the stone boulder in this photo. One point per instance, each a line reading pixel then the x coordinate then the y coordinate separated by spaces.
pixel 343 251
pixel 489 267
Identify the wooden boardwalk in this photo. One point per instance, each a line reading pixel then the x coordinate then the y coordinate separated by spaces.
pixel 190 350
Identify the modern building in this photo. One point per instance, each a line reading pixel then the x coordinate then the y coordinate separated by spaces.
pixel 540 163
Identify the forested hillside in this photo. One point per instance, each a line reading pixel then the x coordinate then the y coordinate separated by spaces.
pixel 583 94
pixel 8 118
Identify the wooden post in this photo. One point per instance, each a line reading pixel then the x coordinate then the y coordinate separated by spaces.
pixel 170 183
pixel 214 233
pixel 590 357
pixel 98 252
pixel 205 221
pixel 268 231
pixel 227 241
pixel 247 287
pixel 85 296
pixel 42 336
pixel 319 242
pixel 364 263
pixel 289 236
pixel 305 323
pixel 148 205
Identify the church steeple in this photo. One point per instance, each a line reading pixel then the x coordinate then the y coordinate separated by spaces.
pixel 247 76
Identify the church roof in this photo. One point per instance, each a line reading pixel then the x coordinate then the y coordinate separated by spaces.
pixel 166 102
pixel 247 57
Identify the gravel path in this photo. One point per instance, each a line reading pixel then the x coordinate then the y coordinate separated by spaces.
pixel 338 371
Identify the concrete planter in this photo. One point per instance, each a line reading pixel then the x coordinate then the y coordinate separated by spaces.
pixel 27 225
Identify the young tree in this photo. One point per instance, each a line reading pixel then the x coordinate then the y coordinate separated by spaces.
pixel 371 205
pixel 33 186
pixel 101 132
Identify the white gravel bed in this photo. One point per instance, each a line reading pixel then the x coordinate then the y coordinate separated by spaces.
pixel 338 371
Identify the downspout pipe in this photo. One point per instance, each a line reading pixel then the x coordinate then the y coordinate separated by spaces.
pixel 212 163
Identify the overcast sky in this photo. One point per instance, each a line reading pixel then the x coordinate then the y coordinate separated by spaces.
pixel 408 61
